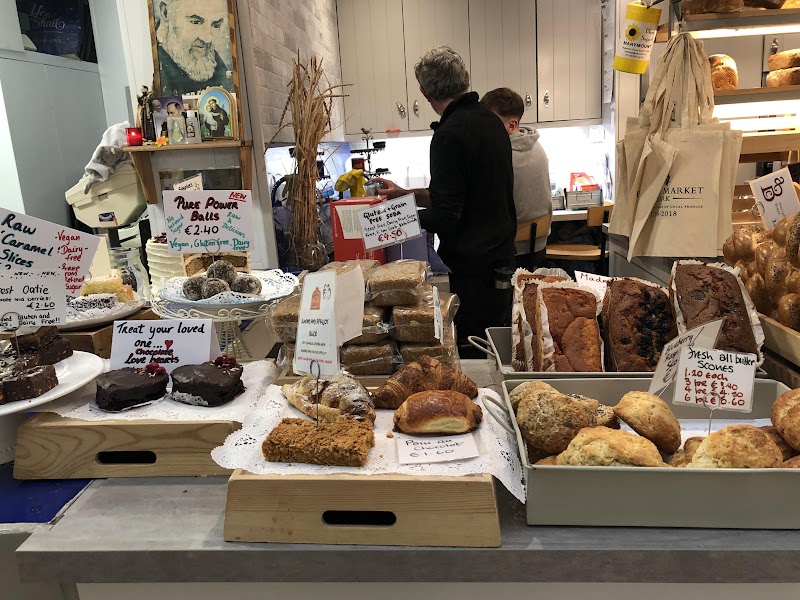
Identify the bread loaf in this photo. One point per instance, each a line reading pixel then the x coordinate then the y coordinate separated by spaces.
pixel 784 60
pixel 438 411
pixel 757 290
pixel 771 4
pixel 572 325
pixel 397 283
pixel 527 354
pixel 763 252
pixel 724 75
pixel 374 329
pixel 783 77
pixel 702 7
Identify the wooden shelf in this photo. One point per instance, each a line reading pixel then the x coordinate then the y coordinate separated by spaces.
pixel 789 92
pixel 768 146
pixel 747 19
pixel 179 147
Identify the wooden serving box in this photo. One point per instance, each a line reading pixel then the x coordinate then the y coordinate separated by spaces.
pixel 780 339
pixel 384 510
pixel 53 447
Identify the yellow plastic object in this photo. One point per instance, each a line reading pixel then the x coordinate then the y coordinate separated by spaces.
pixel 354 181
pixel 638 37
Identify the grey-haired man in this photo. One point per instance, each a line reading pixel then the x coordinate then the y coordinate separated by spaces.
pixel 470 200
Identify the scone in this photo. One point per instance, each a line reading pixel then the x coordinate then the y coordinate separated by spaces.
pixel 786 450
pixel 606 417
pixel 549 421
pixel 737 447
pixel 684 456
pixel 549 460
pixel 792 463
pixel 604 447
pixel 529 388
pixel 651 417
pixel 786 417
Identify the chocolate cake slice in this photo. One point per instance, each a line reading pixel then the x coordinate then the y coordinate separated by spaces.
pixel 34 338
pixel 209 384
pixel 28 384
pixel 127 388
pixel 56 351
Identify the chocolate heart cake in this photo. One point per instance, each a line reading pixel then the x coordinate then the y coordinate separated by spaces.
pixel 209 384
pixel 127 388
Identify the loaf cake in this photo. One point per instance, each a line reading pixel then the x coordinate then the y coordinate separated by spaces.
pixel 416 323
pixel 783 77
pixel 343 443
pixel 374 329
pixel 527 354
pixel 724 75
pixel 637 323
pixel 571 317
pixel 372 359
pixel 212 383
pixel 396 283
pixel 285 315
pixel 704 293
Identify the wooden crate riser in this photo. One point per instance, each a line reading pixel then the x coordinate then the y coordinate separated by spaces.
pixel 52 447
pixel 429 511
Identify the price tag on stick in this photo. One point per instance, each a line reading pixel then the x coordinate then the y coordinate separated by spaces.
pixel 390 223
pixel 704 336
pixel 208 220
pixel 715 379
pixel 32 298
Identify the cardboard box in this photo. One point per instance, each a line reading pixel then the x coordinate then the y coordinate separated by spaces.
pixel 347 241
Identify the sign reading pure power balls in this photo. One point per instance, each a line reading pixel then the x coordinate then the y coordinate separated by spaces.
pixel 208 220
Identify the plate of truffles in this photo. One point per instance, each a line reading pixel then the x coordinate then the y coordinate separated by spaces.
pixel 223 286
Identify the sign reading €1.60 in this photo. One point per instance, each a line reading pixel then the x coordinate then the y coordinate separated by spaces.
pixel 208 220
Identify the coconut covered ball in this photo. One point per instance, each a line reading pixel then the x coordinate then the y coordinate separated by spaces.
pixel 193 287
pixel 214 286
pixel 246 284
pixel 222 269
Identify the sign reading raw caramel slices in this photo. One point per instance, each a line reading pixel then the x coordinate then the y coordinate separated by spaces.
pixel 32 298
pixel 208 220
pixel 716 379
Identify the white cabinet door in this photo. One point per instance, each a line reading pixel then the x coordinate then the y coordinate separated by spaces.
pixel 569 56
pixel 427 24
pixel 373 60
pixel 502 45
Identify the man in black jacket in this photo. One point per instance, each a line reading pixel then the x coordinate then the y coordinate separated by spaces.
pixel 470 200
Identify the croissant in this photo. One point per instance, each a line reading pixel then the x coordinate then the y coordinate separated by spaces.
pixel 424 375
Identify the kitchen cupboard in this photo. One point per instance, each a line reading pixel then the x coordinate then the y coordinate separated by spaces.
pixel 569 59
pixel 502 40
pixel 426 24
pixel 373 60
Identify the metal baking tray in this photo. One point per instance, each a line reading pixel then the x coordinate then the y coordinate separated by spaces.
pixel 652 497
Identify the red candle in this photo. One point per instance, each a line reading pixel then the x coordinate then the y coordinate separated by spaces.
pixel 134 135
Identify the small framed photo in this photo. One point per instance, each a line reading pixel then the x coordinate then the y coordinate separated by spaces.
pixel 176 130
pixel 217 109
pixel 163 107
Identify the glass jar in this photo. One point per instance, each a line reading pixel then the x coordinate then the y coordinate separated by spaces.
pixel 129 264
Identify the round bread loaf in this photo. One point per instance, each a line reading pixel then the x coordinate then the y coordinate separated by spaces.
pixel 778 268
pixel 781 229
pixel 548 460
pixel 786 450
pixel 789 311
pixel 651 417
pixel 792 463
pixel 793 281
pixel 604 447
pixel 783 77
pixel 606 417
pixel 549 420
pixel 763 252
pixel 724 75
pixel 784 60
pixel 528 389
pixel 684 456
pixel 757 289
pixel 737 447
pixel 786 417
pixel 793 242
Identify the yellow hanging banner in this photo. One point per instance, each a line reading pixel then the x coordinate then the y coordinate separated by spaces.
pixel 638 37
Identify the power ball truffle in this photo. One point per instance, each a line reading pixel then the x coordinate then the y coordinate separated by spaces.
pixel 212 287
pixel 193 287
pixel 246 284
pixel 222 269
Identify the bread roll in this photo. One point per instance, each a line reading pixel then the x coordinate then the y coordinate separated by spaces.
pixel 778 268
pixel 763 252
pixel 781 229
pixel 724 75
pixel 793 243
pixel 547 461
pixel 651 417
pixel 528 389
pixel 741 265
pixel 737 447
pixel 438 411
pixel 728 250
pixel 757 290
pixel 784 77
pixel 786 417
pixel 604 447
pixel 784 60
pixel 684 456
pixel 786 450
pixel 789 311
pixel 549 421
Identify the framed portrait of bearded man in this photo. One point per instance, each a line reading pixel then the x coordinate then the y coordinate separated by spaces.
pixel 194 46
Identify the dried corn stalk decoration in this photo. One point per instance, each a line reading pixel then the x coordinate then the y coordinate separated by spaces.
pixel 310 103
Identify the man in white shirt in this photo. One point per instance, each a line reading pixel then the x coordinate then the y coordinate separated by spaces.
pixel 531 171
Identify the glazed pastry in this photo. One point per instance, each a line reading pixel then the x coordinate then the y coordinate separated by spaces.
pixel 424 375
pixel 342 398
pixel 737 447
pixel 604 447
pixel 439 411
pixel 374 359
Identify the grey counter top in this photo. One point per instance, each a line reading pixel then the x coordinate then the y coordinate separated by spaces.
pixel 170 530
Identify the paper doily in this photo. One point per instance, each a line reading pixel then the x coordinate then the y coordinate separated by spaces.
pixel 256 376
pixel 498 449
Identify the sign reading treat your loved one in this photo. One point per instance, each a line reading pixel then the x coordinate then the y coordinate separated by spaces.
pixel 208 220
pixel 170 343
pixel 27 243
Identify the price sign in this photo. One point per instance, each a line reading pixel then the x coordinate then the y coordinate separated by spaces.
pixel 389 223
pixel 32 298
pixel 704 336
pixel 29 244
pixel 208 221
pixel 716 379
pixel 599 283
pixel 316 330
pixel 775 197
pixel 414 450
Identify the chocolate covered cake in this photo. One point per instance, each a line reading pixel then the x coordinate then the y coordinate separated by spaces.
pixel 126 388
pixel 28 384
pixel 37 337
pixel 209 384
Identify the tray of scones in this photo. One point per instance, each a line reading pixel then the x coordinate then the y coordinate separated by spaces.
pixel 605 452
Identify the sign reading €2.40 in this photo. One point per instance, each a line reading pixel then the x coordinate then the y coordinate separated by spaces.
pixel 208 220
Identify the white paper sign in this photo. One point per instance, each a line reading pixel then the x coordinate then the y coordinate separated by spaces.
pixel 775 197
pixel 208 221
pixel 349 301
pixel 704 336
pixel 389 223
pixel 716 379
pixel 599 283
pixel 170 343
pixel 420 450
pixel 438 323
pixel 32 298
pixel 316 350
pixel 32 244
pixel 192 183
